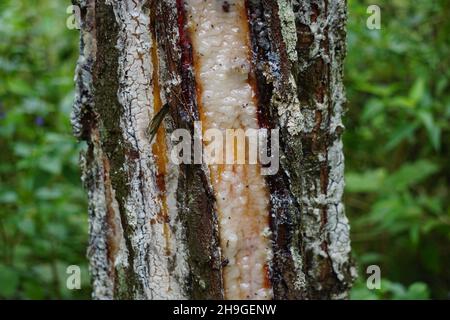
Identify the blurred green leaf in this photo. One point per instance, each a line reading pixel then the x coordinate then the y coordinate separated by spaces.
pixel 8 197
pixel 417 90
pixel 9 281
pixel 434 132
pixel 411 174
pixel 418 291
pixel 369 181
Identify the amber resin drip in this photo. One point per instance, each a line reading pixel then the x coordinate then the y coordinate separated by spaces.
pixel 159 147
pixel 219 33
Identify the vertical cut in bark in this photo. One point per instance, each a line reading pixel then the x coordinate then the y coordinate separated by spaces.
pixel 220 38
pixel 195 231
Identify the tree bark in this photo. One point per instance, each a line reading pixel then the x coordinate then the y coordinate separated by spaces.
pixel 157 229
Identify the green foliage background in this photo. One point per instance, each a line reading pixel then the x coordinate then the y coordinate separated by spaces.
pixel 396 146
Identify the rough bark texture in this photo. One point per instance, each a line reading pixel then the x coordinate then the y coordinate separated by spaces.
pixel 153 225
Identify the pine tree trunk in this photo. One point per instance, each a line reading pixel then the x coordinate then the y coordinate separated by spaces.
pixel 159 230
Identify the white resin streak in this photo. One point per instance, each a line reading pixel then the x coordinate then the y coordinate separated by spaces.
pixel 220 39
